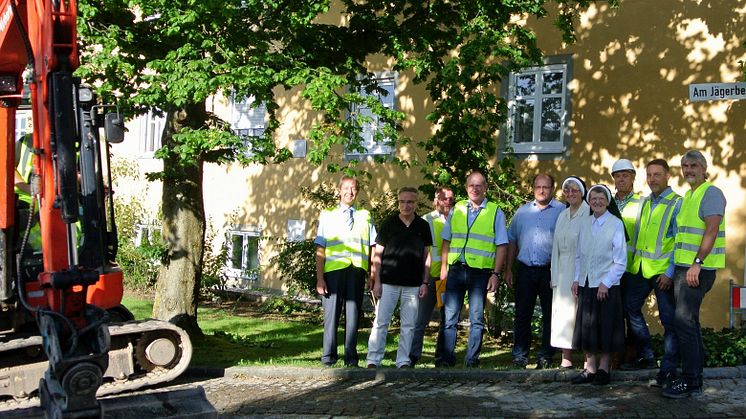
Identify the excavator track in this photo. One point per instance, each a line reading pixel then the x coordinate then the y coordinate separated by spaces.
pixel 148 373
pixel 143 353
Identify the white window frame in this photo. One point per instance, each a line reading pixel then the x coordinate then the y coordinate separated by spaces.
pixel 247 119
pixel 23 123
pixel 536 146
pixel 387 81
pixel 151 132
pixel 144 232
pixel 244 271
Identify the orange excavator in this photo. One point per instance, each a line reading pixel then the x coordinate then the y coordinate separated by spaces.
pixel 64 334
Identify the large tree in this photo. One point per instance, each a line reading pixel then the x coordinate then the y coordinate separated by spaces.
pixel 172 55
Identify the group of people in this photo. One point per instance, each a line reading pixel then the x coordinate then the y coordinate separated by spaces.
pixel 592 262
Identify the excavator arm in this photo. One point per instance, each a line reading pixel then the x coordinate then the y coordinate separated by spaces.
pixel 55 302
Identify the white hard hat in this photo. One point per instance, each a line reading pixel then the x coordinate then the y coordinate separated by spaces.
pixel 622 164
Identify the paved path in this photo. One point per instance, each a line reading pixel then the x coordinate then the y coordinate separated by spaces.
pixel 435 393
pixel 268 392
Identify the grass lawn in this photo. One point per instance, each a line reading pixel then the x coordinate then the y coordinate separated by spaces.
pixel 240 334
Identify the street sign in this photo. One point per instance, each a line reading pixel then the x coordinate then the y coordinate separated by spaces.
pixel 717 91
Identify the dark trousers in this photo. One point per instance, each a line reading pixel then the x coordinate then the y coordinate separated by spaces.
pixel 424 314
pixel 345 288
pixel 531 282
pixel 686 321
pixel 635 292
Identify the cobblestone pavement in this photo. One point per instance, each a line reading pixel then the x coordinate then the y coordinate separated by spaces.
pixel 413 394
pixel 286 392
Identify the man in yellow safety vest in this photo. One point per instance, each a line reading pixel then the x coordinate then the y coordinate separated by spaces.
pixel 699 251
pixel 343 248
pixel 649 271
pixel 474 244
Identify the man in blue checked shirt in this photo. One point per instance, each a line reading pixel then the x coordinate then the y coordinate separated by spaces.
pixel 530 242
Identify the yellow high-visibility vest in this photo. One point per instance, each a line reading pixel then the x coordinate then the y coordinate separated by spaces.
pixel 631 218
pixel 691 229
pixel 436 223
pixel 478 242
pixel 345 247
pixel 653 249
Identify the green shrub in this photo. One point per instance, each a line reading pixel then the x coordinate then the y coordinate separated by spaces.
pixel 724 348
pixel 297 263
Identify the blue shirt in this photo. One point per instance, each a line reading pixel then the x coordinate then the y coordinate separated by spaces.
pixel 532 230
pixel 339 215
pixel 501 235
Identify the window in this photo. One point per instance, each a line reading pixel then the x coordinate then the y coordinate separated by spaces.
pixel 244 254
pixel 147 234
pixel 23 123
pixel 380 146
pixel 538 109
pixel 248 119
pixel 151 130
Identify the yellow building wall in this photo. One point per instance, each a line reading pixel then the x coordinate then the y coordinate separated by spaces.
pixel 632 70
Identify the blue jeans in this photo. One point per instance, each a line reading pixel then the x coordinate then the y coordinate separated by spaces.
pixel 686 320
pixel 532 282
pixel 636 291
pixel 427 305
pixel 462 279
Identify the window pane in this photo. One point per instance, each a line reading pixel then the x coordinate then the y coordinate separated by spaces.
pixel 252 253
pixel 524 121
pixel 236 251
pixel 525 85
pixel 552 83
pixel 551 119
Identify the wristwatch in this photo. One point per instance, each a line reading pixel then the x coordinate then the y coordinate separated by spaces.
pixel 497 274
pixel 698 261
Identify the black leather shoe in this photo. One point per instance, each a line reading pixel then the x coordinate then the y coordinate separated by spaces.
pixel 602 378
pixel 520 362
pixel 681 389
pixel 583 378
pixel 639 364
pixel 543 364
pixel 662 379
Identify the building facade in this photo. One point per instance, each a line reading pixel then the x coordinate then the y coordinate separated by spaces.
pixel 620 91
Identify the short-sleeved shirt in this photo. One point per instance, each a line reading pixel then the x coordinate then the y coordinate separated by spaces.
pixel 403 259
pixel 532 230
pixel 713 203
pixel 338 215
pixel 501 234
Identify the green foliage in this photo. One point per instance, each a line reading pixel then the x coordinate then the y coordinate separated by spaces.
pixel 297 265
pixel 213 263
pixel 724 348
pixel 286 305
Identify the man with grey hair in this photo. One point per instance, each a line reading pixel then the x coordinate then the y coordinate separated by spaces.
pixel 401 269
pixel 699 250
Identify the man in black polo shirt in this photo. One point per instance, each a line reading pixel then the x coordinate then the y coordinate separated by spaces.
pixel 400 269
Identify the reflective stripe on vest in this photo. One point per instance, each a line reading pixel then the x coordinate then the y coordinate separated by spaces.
pixel 691 229
pixel 631 218
pixel 436 223
pixel 24 167
pixel 478 242
pixel 653 250
pixel 348 247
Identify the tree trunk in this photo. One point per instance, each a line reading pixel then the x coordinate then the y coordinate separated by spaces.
pixel 177 288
